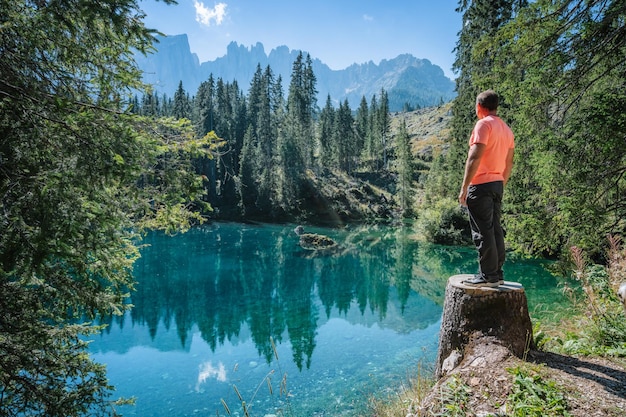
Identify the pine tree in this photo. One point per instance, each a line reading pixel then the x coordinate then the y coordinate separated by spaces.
pixel 250 165
pixel 77 179
pixel 204 114
pixel 403 166
pixel 150 105
pixel 261 165
pixel 301 108
pixel 373 146
pixel 205 106
pixel 383 124
pixel 164 106
pixel 266 133
pixel 481 19
pixel 362 125
pixel 326 137
pixel 231 122
pixel 135 105
pixel 247 171
pixel 345 140
pixel 297 140
pixel 182 105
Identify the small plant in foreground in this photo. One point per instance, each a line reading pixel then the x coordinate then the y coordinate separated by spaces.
pixel 453 399
pixel 532 396
pixel 540 338
pixel 607 327
pixel 246 406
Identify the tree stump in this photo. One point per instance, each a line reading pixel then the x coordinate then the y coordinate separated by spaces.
pixel 501 313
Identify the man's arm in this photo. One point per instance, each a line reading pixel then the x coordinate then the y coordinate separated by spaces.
pixel 474 156
pixel 509 165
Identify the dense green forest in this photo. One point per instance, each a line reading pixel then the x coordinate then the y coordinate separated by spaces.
pixel 80 178
pixel 87 164
pixel 273 148
pixel 560 69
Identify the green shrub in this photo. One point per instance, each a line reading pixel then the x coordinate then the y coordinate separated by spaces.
pixel 444 223
pixel 606 330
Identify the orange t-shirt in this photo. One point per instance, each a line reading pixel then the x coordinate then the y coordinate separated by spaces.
pixel 492 132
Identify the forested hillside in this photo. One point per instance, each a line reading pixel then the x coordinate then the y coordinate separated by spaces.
pixel 281 157
pixel 560 68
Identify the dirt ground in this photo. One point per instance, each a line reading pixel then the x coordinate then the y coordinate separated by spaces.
pixel 591 386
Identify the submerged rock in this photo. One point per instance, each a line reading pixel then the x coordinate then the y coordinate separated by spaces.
pixel 314 241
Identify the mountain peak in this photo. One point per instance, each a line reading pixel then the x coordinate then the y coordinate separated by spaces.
pixel 407 79
pixel 236 48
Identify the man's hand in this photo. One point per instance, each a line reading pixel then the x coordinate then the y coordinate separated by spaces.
pixel 463 197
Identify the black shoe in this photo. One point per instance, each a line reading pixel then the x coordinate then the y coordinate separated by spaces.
pixel 480 281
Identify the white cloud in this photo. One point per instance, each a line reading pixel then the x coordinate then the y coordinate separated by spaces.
pixel 367 18
pixel 205 15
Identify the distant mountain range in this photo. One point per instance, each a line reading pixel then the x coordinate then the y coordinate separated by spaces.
pixel 406 79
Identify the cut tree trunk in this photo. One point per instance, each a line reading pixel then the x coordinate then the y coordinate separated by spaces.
pixel 470 312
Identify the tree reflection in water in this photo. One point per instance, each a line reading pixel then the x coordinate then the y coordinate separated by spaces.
pixel 223 276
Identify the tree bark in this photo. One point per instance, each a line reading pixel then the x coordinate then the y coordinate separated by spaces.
pixel 500 312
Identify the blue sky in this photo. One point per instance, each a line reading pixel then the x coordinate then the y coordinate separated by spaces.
pixel 338 32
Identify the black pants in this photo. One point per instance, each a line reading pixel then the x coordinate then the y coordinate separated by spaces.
pixel 484 203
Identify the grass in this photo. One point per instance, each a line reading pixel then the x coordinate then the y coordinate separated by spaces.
pixel 402 402
pixel 453 401
pixel 452 398
pixel 532 395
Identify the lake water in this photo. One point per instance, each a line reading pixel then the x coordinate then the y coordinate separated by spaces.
pixel 234 313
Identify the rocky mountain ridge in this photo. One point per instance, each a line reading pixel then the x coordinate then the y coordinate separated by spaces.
pixel 406 79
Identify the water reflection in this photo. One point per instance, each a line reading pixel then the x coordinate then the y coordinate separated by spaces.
pixel 223 276
pixel 208 371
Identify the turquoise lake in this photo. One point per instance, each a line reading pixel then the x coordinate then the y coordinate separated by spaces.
pixel 231 313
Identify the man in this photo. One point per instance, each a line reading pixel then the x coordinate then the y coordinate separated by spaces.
pixel 487 170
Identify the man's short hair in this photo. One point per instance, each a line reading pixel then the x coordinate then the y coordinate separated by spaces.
pixel 488 99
